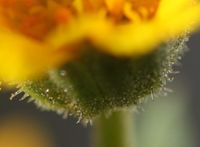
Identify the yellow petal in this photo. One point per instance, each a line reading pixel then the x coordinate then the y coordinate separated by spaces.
pixel 133 39
pixel 21 58
pixel 117 40
pixel 186 19
pixel 139 39
pixel 167 8
pixel 87 27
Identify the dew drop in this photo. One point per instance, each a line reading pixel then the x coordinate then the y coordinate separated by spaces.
pixel 47 91
pixel 63 73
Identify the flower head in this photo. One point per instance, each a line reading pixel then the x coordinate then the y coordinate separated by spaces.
pixel 94 56
pixel 37 35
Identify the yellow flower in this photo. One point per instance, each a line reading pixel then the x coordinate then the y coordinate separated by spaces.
pixel 37 35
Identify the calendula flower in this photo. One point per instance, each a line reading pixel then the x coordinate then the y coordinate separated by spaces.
pixel 94 55
pixel 37 35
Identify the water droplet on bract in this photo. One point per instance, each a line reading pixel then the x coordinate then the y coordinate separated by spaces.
pixel 63 73
pixel 47 91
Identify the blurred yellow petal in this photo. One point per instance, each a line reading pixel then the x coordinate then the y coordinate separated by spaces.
pixel 141 38
pixel 121 28
pixel 125 40
pixel 87 27
pixel 167 8
pixel 187 19
pixel 132 39
pixel 21 57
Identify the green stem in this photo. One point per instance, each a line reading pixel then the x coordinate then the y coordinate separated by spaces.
pixel 114 131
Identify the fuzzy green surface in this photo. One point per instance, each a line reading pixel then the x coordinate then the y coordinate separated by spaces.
pixel 97 83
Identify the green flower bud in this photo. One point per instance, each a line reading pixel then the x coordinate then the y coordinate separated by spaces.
pixel 97 83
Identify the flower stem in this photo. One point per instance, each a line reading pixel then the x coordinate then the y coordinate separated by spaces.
pixel 114 131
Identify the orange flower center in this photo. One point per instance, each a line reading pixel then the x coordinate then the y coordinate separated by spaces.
pixel 36 18
pixel 132 9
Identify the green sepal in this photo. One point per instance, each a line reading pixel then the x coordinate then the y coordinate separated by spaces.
pixel 97 83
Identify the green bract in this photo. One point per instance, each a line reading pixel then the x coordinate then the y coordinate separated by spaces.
pixel 98 83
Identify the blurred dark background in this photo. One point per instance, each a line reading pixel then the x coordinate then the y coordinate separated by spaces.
pixel 66 133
